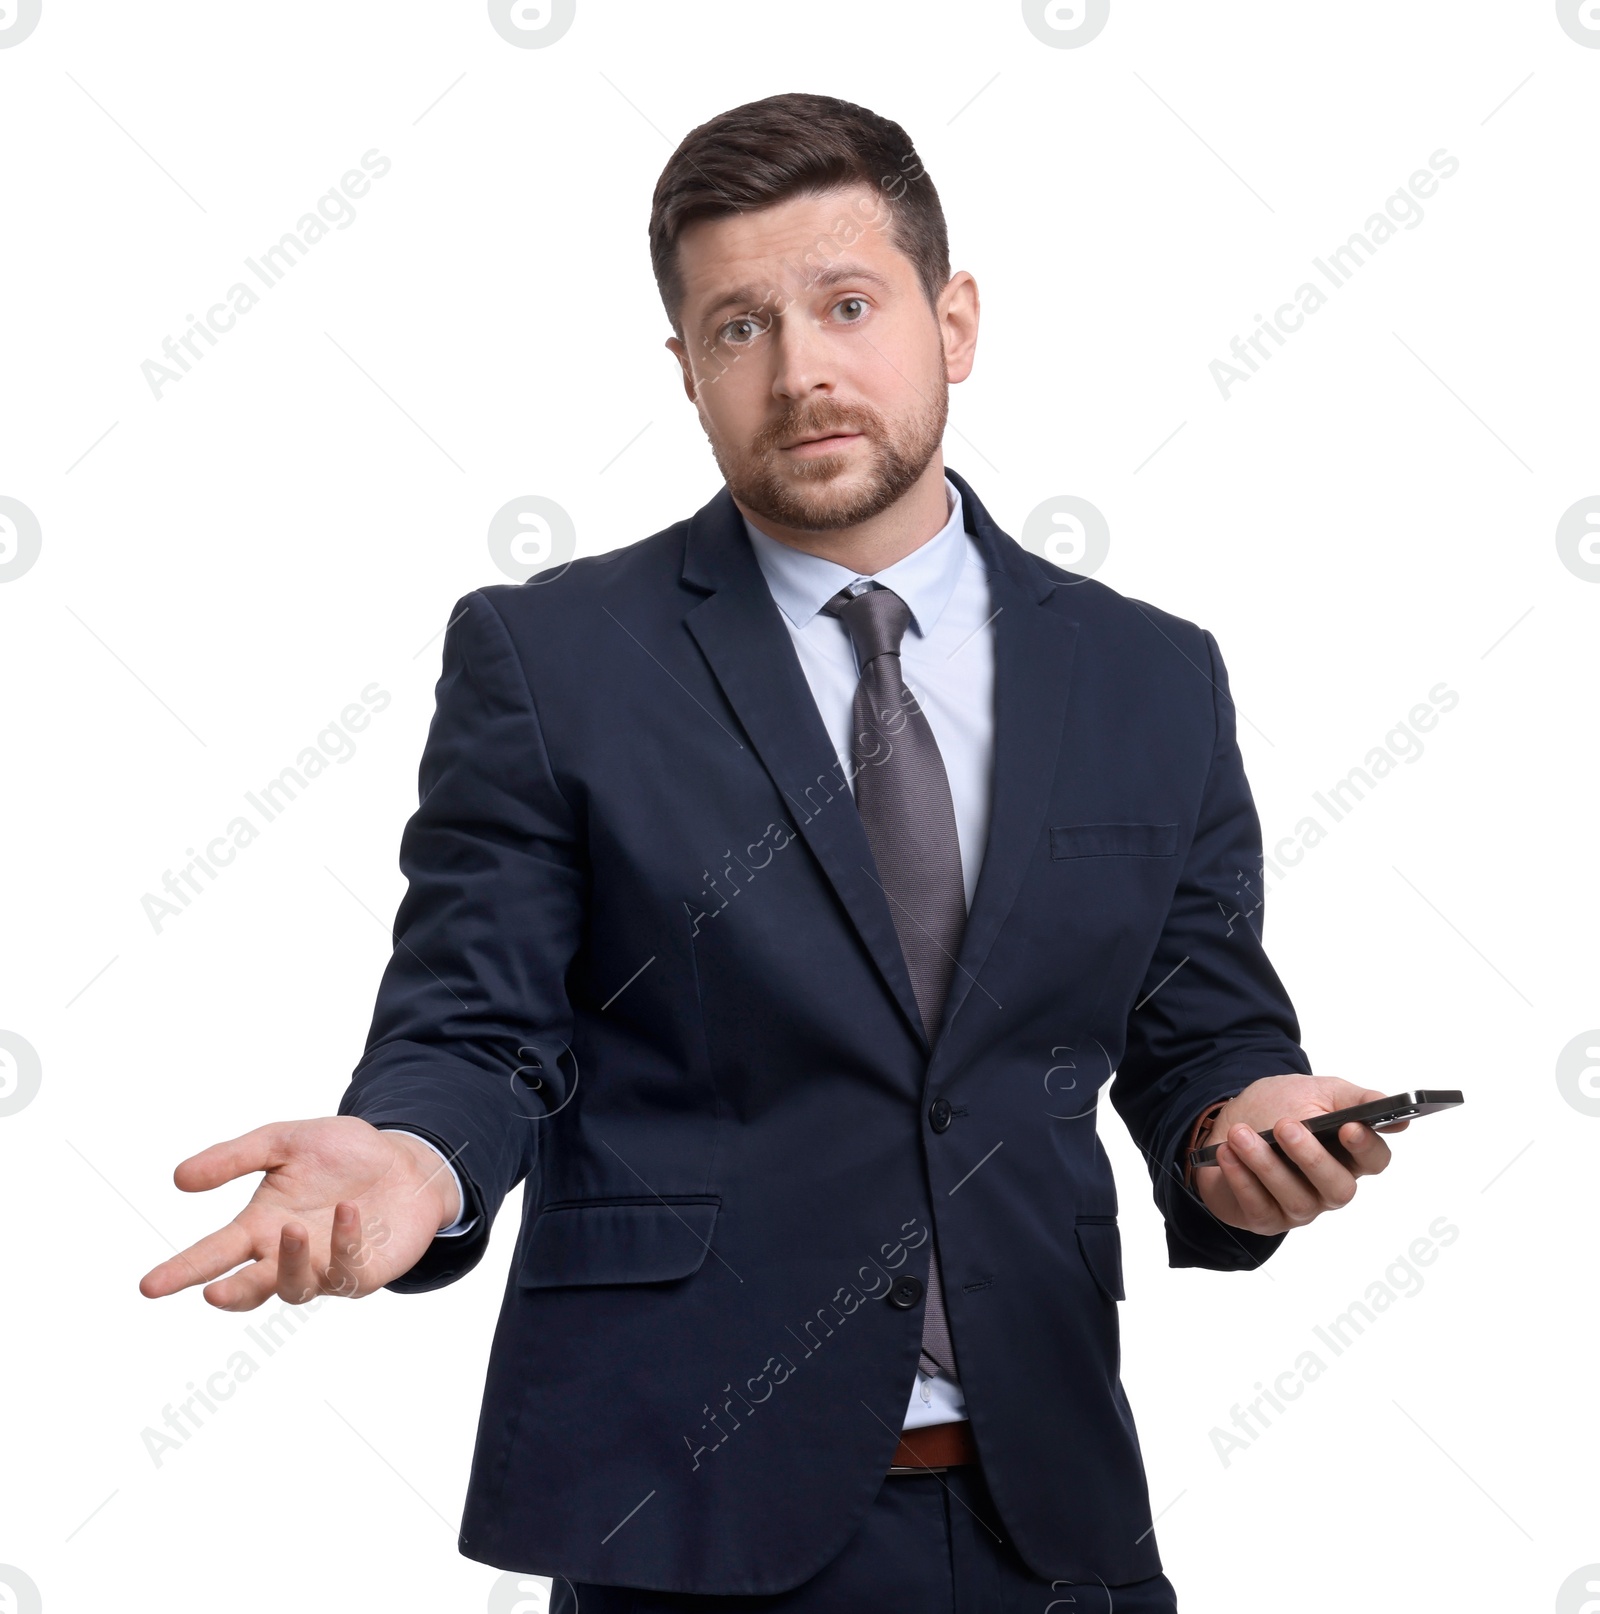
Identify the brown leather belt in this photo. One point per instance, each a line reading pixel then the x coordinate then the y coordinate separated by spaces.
pixel 934 1446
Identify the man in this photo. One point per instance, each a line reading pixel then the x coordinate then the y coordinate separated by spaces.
pixel 783 890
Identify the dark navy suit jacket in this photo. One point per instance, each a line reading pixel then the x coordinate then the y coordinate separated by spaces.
pixel 644 963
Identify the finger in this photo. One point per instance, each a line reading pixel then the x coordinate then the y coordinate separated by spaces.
pixel 1259 1210
pixel 259 1150
pixel 348 1252
pixel 296 1282
pixel 1332 1181
pixel 1369 1151
pixel 213 1255
pixel 247 1288
pixel 1296 1199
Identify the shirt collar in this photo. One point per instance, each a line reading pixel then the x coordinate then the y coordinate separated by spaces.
pixel 802 583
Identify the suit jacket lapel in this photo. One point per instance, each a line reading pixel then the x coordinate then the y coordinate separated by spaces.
pixel 1034 640
pixel 742 635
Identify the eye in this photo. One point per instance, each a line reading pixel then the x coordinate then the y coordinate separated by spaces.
pixel 741 331
pixel 853 302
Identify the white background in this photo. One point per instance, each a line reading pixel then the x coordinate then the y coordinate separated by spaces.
pixel 224 569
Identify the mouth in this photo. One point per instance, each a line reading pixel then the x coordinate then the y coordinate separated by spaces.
pixel 821 444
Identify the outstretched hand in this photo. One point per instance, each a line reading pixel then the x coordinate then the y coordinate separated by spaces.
pixel 343 1209
pixel 1252 1188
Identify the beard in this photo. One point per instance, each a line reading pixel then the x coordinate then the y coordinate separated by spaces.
pixel 830 491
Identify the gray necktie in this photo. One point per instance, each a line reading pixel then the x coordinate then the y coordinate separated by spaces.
pixel 903 796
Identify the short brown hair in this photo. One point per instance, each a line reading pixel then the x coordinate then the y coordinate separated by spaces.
pixel 795 145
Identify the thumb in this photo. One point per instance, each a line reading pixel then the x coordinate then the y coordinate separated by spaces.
pixel 1339 1094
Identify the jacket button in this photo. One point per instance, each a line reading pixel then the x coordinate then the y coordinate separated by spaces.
pixel 905 1293
pixel 939 1113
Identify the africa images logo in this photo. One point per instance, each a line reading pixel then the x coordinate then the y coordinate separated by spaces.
pixel 1581 20
pixel 529 535
pixel 1580 1591
pixel 1069 532
pixel 531 24
pixel 1577 537
pixel 21 1073
pixel 20 539
pixel 18 19
pixel 18 1594
pixel 1578 1072
pixel 1065 24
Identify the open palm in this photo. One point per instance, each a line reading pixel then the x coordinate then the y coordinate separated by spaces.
pixel 343 1209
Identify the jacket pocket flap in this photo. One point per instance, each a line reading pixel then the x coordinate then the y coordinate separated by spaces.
pixel 1113 840
pixel 618 1241
pixel 1101 1244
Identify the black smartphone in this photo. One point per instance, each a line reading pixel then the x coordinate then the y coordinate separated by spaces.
pixel 1325 1128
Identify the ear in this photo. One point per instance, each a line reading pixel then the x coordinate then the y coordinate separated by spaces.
pixel 681 353
pixel 957 314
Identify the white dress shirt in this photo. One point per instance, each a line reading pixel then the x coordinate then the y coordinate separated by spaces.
pixel 947 663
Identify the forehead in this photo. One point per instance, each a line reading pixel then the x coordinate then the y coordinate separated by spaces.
pixel 743 258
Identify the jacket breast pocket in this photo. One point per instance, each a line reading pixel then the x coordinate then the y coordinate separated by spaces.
pixel 1100 1243
pixel 591 1242
pixel 1113 840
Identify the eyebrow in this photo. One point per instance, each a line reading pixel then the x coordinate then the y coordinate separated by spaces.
pixel 834 275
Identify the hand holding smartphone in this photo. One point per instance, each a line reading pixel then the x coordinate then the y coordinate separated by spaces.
pixel 1376 1114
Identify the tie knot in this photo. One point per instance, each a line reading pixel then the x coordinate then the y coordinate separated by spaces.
pixel 875 619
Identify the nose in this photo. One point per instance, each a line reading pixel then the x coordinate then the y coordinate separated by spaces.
pixel 804 362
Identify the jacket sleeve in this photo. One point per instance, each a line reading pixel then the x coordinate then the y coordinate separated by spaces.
pixel 1211 1015
pixel 472 1019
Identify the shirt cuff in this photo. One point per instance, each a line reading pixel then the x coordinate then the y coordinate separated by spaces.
pixel 463 1223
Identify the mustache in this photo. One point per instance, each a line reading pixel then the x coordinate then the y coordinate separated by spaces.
pixel 817 423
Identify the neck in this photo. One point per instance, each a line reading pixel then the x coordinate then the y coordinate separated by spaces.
pixel 871 545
